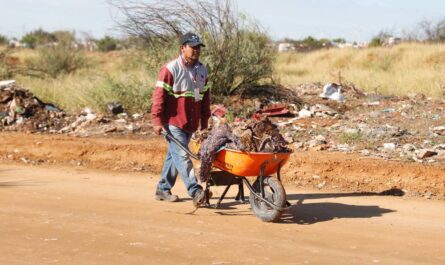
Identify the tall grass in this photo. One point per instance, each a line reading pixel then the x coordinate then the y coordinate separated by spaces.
pixel 124 76
pixel 112 77
pixel 399 70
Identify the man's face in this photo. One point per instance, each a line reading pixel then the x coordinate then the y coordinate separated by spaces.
pixel 191 53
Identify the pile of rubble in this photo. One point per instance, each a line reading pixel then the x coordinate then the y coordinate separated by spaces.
pixel 20 110
pixel 88 123
pixel 407 128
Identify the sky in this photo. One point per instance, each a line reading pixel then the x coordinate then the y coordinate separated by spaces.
pixel 353 20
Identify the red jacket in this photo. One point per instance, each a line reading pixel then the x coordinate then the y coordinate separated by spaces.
pixel 181 97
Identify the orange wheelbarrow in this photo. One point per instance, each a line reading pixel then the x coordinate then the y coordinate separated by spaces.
pixel 267 195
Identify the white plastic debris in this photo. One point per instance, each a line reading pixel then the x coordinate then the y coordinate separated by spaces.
pixel 6 83
pixel 332 91
pixel 337 96
pixel 373 103
pixel 328 90
pixel 389 146
pixel 304 113
pixel 439 130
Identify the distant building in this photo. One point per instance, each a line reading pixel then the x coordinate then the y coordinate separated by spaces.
pixel 16 44
pixel 356 45
pixel 88 45
pixel 390 41
pixel 286 47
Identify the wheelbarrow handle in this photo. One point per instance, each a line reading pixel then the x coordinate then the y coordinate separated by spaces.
pixel 169 136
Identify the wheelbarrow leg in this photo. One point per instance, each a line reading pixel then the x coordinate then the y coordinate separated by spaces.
pixel 240 196
pixel 223 195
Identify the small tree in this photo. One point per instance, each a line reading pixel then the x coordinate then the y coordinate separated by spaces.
pixel 3 39
pixel 339 40
pixel 434 32
pixel 107 44
pixel 237 52
pixel 54 61
pixel 38 37
pixel 380 38
pixel 64 37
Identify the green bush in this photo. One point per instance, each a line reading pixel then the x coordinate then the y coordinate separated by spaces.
pixel 55 61
pixel 3 39
pixel 6 70
pixel 64 37
pixel 311 44
pixel 38 37
pixel 350 138
pixel 376 42
pixel 133 93
pixel 107 44
pixel 244 60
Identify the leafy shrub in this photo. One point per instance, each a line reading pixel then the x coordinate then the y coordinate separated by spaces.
pixel 3 39
pixel 350 137
pixel 5 69
pixel 311 44
pixel 58 60
pixel 64 37
pixel 38 37
pixel 131 92
pixel 107 44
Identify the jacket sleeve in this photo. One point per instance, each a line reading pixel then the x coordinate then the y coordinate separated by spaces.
pixel 164 85
pixel 205 108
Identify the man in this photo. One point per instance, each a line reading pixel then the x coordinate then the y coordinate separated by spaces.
pixel 181 102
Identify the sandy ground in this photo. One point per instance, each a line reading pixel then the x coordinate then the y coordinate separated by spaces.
pixel 66 215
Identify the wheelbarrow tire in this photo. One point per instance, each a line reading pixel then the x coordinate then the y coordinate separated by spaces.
pixel 274 193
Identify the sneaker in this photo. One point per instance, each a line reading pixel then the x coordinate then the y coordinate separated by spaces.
pixel 166 196
pixel 199 198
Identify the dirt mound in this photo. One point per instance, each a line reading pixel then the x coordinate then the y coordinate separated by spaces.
pixel 313 169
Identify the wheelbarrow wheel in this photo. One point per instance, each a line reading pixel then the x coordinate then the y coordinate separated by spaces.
pixel 274 192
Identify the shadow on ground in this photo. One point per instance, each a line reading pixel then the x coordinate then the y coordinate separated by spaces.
pixel 20 183
pixel 306 213
pixel 310 213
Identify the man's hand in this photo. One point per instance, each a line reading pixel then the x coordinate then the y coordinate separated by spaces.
pixel 157 129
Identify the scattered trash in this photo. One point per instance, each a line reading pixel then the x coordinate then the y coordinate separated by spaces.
pixel 389 146
pixel 115 108
pixel 332 91
pixel 329 90
pixel 374 103
pixel 305 113
pixel 408 128
pixel 6 83
pixel 425 153
pixel 219 111
pixel 277 109
pixel 440 130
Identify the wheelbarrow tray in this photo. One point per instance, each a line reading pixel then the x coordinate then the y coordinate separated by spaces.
pixel 246 164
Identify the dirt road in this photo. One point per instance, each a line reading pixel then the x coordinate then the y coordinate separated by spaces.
pixel 62 215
